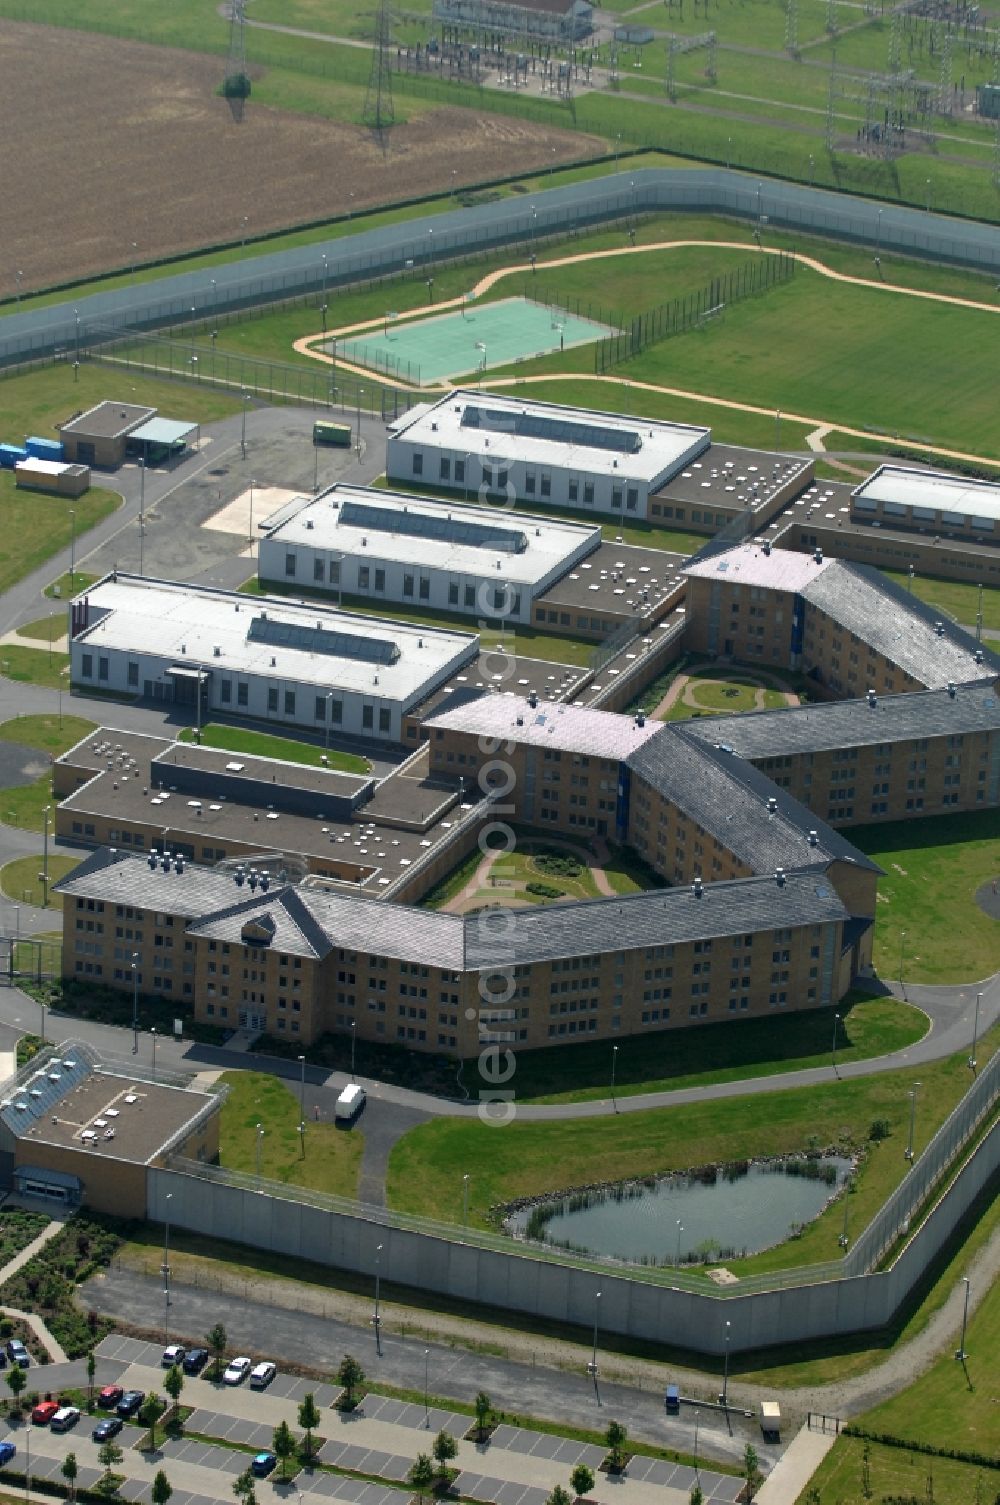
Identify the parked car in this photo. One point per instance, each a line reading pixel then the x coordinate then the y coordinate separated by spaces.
pixel 236 1371
pixel 65 1417
pixel 7 1452
pixel 261 1375
pixel 17 1353
pixel 174 1354
pixel 109 1397
pixel 130 1402
pixel 263 1464
pixel 43 1413
pixel 195 1360
pixel 108 1428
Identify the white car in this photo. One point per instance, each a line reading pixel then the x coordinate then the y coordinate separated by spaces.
pixel 262 1374
pixel 236 1371
pixel 65 1417
pixel 173 1355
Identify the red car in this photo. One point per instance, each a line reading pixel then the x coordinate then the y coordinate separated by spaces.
pixel 44 1412
pixel 110 1396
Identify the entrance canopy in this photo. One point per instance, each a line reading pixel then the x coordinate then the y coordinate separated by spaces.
pixel 160 437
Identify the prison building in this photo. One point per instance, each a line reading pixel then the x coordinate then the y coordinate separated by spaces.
pixel 382 546
pixel 564 21
pixel 268 660
pixel 929 502
pixel 504 449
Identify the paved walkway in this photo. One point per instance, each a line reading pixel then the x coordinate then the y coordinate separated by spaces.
pixel 795 1468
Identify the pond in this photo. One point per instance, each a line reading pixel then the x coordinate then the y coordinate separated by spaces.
pixel 726 1211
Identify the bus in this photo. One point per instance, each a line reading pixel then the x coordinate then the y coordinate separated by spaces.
pixel 325 432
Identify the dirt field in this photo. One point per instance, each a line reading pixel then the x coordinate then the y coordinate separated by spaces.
pixel 107 142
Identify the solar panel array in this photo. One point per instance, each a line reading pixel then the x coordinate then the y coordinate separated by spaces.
pixel 38 1093
pixel 424 525
pixel 557 430
pixel 316 640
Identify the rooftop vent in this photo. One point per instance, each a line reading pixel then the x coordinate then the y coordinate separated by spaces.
pixel 813 838
pixel 697 888
pixel 939 629
pixel 533 699
pixel 978 656
pixel 779 876
pixel 767 546
pixel 818 555
pixel 872 698
pixel 520 720
pixel 640 718
pixel 951 688
pixel 216 651
pixel 772 805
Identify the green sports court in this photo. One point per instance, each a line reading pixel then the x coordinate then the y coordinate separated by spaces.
pixel 458 343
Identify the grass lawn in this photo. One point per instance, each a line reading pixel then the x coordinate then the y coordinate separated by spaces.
pixel 956 599
pixel 35 666
pixel 726 1052
pixel 36 527
pixel 332 1157
pixel 426 1166
pixel 717 691
pixel 69 585
pixel 49 629
pixel 895 1474
pixel 932 870
pixel 20 880
pixel 52 734
pixel 264 745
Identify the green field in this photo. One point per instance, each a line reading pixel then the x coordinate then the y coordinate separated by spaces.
pixel 25 805
pixel 264 745
pixel 956 599
pixel 711 692
pixel 509 877
pixel 35 666
pixel 37 527
pixel 20 880
pixel 45 629
pixel 331 1159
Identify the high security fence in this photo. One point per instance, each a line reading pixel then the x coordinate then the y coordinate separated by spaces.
pixel 691 310
pixel 421 243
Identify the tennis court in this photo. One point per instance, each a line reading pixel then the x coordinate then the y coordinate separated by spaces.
pixel 473 338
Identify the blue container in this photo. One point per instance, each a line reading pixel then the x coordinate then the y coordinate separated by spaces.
pixel 45 449
pixel 10 454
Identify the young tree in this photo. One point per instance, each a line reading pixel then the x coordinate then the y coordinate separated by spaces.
pixel 421 1474
pixel 559 1496
pixel 309 1419
pixel 149 1415
pixel 445 1449
pixel 173 1383
pixel 109 1456
pixel 283 1445
pixel 615 1437
pixel 484 1411
pixel 216 1343
pixel 751 1470
pixel 351 1376
pixel 162 1489
pixel 16 1381
pixel 243 1488
pixel 697 1495
pixel 69 1470
pixel 582 1479
pixel 91 1371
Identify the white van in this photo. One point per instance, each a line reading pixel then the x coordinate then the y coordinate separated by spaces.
pixel 350 1103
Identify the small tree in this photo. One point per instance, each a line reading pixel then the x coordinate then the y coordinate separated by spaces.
pixel 109 1456
pixel 69 1470
pixel 445 1449
pixel 421 1474
pixel 217 1341
pixel 309 1419
pixel 149 1415
pixel 243 1488
pixel 616 1437
pixel 173 1383
pixel 16 1381
pixel 162 1489
pixel 283 1445
pixel 484 1412
pixel 751 1470
pixel 559 1496
pixel 697 1496
pixel 351 1376
pixel 91 1371
pixel 582 1479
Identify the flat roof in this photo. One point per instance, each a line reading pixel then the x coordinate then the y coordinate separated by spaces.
pixel 368 523
pixel 618 577
pixel 930 492
pixel 578 729
pixel 491 426
pixel 163 431
pixel 226 632
pixel 727 476
pixel 108 420
pixel 549 681
pixel 219 763
pixel 760 565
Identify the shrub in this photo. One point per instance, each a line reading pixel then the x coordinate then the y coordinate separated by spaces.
pixel 236 86
pixel 559 863
pixel 880 1129
pixel 545 890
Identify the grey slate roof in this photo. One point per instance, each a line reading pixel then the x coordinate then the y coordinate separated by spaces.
pixel 597 734
pixel 855 723
pixel 120 878
pixel 898 625
pixel 397 930
pixel 295 930
pixel 662 916
pixel 728 797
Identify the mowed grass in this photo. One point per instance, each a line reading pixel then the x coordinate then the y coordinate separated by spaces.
pixel 953 597
pixel 726 1052
pixel 933 868
pixel 35 666
pixel 52 734
pixel 264 745
pixel 332 1157
pixel 33 527
pixel 711 692
pixel 896 1474
pixel 45 629
pixel 20 879
pixel 427 1165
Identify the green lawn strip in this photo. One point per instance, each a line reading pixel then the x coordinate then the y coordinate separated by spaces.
pixel 331 1161
pixel 426 1166
pixel 114 1006
pixel 953 597
pixel 264 745
pixel 36 527
pixel 451 885
pixel 52 734
pixel 49 629
pixel 25 805
pixel 20 880
pixel 896 1474
pixel 731 1051
pixel 933 868
pixel 35 666
pixel 69 585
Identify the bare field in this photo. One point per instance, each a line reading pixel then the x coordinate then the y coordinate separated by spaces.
pixel 110 142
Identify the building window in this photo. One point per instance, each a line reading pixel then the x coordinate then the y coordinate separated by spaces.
pixel 418 465
pixel 384 719
pixel 368 717
pixel 226 691
pixel 470 595
pixel 407 585
pixel 272 698
pixel 459 471
pixel 289 564
pixel 445 471
pixel 364 577
pixel 87 666
pixel 453 593
pixel 242 693
pixel 319 571
pixel 336 711
pixel 425 588
pixel 102 667
pixel 133 675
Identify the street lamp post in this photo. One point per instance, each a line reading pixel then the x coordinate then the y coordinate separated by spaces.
pixel 135 1003
pixel 975 1036
pixel 324 276
pixel 961 1355
pixel 361 392
pixel 133 248
pixel 243 426
pixel 725 1374
pixel 72 549
pixel 465 1200
pixel 902 984
pixel 592 1366
pixel 257 1147
pixel 302 1088
pixel 376 1319
pixel 847 1191
pixel 430 289
pixel 152 1032
pixel 252 485
pixel 354 1036
pixel 243 232
pixel 142 510
pixel 614 1063
pixel 45 859
pixel 833 1045
pixel 326 740
pixel 166 1259
pixel 18 275
pixel 913 1114
pixel 427 1413
pixel 680 1230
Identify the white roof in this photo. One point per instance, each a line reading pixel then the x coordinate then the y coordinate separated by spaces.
pixel 371 524
pixel 579 729
pixel 933 490
pixel 748 564
pixel 256 636
pixel 35 467
pixel 634 448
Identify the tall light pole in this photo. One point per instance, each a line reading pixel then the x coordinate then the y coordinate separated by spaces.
pixel 132 249
pixel 152 1032
pixel 72 549
pixel 142 509
pixel 975 1036
pixel 324 276
pixel 725 1374
pixel 844 1240
pixel 354 1036
pixel 902 984
pixel 614 1063
pixel 376 1319
pixel 592 1366
pixel 302 1088
pixel 135 1003
pixel 243 426
pixel 45 859
pixel 243 232
pixel 257 1147
pixel 833 1045
pixel 326 741
pixel 166 1255
pixel 961 1355
pixel 252 485
pixel 427 1413
pixel 913 1114
pixel 465 1200
pixel 680 1230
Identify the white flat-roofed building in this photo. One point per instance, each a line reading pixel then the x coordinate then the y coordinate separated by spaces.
pixel 929 501
pixel 383 546
pixel 261 658
pixel 487 447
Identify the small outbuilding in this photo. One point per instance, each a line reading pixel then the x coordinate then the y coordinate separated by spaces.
pixel 99 436
pixel 161 439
